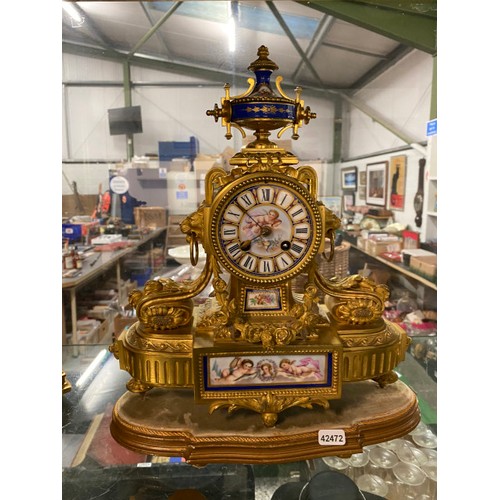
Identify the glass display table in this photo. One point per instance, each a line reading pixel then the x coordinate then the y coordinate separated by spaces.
pixel 96 466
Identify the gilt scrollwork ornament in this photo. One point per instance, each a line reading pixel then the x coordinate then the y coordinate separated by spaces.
pixel 354 300
pixel 159 345
pixel 268 335
pixel 306 314
pixel 269 405
pixel 162 306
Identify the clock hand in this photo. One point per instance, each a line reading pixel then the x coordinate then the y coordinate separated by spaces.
pixel 265 231
pixel 258 223
pixel 245 245
pixel 247 213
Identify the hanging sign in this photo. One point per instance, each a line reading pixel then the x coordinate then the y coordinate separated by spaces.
pixel 119 184
pixel 432 127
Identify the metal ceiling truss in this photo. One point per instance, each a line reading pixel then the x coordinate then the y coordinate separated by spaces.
pixel 409 23
pixel 219 76
pixel 156 63
pixel 417 22
pixel 354 102
pixel 146 9
pixel 155 28
pixel 354 51
pixel 324 27
pixel 294 42
pixel 390 60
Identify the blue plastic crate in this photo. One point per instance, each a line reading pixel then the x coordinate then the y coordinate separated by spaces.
pixel 141 276
pixel 168 150
pixel 72 232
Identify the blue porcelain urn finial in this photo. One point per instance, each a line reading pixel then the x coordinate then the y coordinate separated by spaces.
pixel 261 109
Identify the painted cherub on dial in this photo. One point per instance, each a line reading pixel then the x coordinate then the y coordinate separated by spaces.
pixel 254 224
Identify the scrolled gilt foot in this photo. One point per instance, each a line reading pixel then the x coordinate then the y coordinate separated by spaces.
pixel 269 419
pixel 114 349
pixel 386 379
pixel 134 385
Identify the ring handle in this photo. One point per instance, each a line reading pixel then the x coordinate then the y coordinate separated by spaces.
pixel 194 251
pixel 329 258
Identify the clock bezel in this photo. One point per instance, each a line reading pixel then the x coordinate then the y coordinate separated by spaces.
pixel 229 192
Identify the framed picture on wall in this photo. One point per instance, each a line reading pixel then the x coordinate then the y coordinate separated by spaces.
pixel 349 178
pixel 334 203
pixel 362 192
pixel 397 182
pixel 362 178
pixel 347 202
pixel 376 183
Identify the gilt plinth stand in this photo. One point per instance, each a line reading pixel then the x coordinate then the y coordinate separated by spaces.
pixel 168 423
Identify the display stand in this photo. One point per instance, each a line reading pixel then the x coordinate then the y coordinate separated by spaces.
pixel 168 423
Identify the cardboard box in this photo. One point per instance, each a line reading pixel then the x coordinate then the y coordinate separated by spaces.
pixel 182 195
pixel 103 330
pixel 83 204
pixel 411 239
pixel 121 323
pixel 375 248
pixel 425 265
pixel 361 243
pixel 203 163
pixel 377 274
pixel 408 253
pixel 150 217
pixel 88 331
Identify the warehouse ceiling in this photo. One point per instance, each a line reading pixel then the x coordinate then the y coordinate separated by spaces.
pixel 324 45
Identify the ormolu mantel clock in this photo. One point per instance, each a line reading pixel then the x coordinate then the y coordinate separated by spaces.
pixel 257 344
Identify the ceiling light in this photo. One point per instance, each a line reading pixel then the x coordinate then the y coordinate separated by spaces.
pixel 76 18
pixel 231 28
pixel 231 34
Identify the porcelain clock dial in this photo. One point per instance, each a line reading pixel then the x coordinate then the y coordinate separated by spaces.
pixel 266 229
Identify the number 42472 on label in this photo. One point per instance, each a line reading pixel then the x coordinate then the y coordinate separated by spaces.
pixel 335 437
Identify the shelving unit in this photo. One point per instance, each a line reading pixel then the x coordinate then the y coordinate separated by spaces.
pixel 423 379
pixel 400 268
pixel 96 267
pixel 175 237
pixel 429 223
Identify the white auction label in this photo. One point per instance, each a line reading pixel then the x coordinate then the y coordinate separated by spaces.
pixel 331 437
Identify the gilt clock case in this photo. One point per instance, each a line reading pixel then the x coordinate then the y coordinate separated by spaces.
pixel 265 228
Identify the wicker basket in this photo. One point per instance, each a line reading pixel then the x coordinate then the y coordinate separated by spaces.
pixel 339 266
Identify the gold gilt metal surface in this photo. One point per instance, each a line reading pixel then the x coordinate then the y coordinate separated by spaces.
pixel 230 192
pixel 66 385
pixel 260 348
